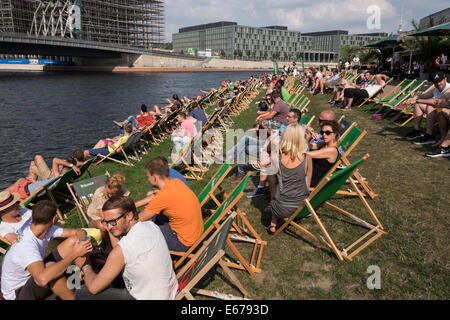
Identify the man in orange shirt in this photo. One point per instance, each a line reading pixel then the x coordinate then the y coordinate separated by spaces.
pixel 173 207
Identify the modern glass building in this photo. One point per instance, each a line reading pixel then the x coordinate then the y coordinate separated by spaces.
pixel 230 40
pixel 134 23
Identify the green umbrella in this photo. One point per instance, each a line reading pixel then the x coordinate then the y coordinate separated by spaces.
pixel 441 30
pixel 390 41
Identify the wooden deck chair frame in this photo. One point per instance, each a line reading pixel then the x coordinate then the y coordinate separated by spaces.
pixel 121 150
pixel 214 184
pixel 311 204
pixel 51 188
pixel 82 214
pixel 308 123
pixel 194 271
pixel 196 169
pixel 407 110
pixel 343 160
pixel 376 93
pixel 4 245
pixel 242 230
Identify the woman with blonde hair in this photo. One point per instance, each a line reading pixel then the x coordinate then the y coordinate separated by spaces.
pixel 112 188
pixel 294 175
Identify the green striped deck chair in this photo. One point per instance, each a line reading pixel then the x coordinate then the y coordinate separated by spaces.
pixel 347 142
pixel 82 193
pixel 214 184
pixel 394 91
pixel 4 246
pixel 54 187
pixel 209 255
pixel 306 120
pixel 381 89
pixel 404 94
pixel 242 232
pixel 321 195
pixel 298 102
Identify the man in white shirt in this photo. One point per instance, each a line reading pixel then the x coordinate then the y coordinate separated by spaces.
pixel 26 274
pixel 426 104
pixel 140 251
pixel 13 219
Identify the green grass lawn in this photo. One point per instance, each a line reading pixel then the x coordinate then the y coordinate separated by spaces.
pixel 412 205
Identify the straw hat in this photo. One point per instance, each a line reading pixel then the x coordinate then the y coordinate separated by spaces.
pixel 7 199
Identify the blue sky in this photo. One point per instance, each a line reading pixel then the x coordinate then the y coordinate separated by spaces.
pixel 299 15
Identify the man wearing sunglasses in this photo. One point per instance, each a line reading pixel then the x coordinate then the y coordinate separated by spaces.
pixel 140 254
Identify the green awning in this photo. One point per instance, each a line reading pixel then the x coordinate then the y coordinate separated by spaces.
pixel 436 31
pixel 390 41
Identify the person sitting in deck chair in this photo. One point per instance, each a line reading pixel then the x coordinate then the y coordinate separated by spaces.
pixel 173 207
pixel 107 146
pixel 26 273
pixel 294 175
pixel 184 133
pixel 39 174
pixel 277 116
pixel 13 219
pixel 364 93
pixel 113 187
pixel 138 268
pixel 324 155
pixel 199 114
pixel 143 119
pixel 425 104
pixel 443 145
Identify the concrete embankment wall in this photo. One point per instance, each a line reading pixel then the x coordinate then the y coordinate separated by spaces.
pixel 160 63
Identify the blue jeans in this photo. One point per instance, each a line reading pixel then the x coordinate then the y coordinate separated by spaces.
pixel 132 120
pixel 246 146
pixel 171 236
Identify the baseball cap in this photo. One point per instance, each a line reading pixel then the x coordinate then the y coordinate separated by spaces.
pixel 438 76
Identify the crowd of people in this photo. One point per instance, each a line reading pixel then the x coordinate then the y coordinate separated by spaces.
pixel 134 261
pixel 137 236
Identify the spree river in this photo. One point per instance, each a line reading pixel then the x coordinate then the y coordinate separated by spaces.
pixel 52 114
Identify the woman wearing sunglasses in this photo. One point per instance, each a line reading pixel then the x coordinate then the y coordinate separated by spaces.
pixel 325 154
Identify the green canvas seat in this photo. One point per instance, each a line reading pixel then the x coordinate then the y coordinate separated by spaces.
pixel 82 193
pixel 214 184
pixel 207 257
pixel 306 120
pixel 321 195
pixel 243 232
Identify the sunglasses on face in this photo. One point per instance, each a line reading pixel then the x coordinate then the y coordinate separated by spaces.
pixel 112 222
pixel 326 132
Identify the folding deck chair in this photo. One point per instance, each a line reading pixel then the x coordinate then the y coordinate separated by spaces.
pixel 214 184
pixel 82 193
pixel 242 232
pixel 347 142
pixel 381 89
pixel 128 146
pixel 209 255
pixel 306 120
pixel 187 161
pixel 4 246
pixel 321 196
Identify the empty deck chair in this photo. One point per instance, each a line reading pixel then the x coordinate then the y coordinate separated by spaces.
pixel 209 255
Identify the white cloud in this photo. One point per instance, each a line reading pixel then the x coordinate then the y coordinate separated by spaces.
pixel 301 15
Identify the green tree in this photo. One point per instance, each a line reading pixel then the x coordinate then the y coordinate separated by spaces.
pixel 428 48
pixel 349 52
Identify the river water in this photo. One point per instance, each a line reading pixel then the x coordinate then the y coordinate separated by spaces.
pixel 52 114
